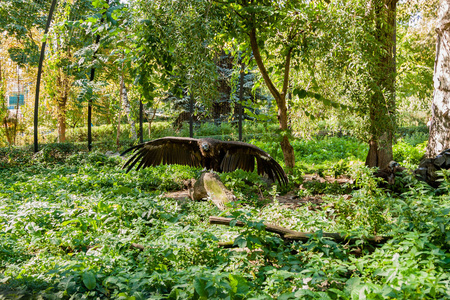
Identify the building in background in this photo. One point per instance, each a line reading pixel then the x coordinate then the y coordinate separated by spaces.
pixel 16 94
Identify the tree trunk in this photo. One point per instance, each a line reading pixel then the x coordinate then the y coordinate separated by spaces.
pixel 380 151
pixel 286 147
pixel 62 127
pixel 3 105
pixel 17 106
pixel 382 102
pixel 63 85
pixel 439 138
pixel 38 79
pixel 118 129
pixel 150 121
pixel 119 118
pixel 280 98
pixel 127 106
pixel 141 129
pixel 8 129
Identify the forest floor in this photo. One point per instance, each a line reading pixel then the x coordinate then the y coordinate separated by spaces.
pixel 290 199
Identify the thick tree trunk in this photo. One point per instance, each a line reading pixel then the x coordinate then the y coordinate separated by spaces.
pixel 380 152
pixel 8 129
pixel 382 104
pixel 439 138
pixel 286 147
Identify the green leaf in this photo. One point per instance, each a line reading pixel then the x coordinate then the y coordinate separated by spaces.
pixel 239 285
pixel 300 93
pixel 123 190
pixel 240 241
pixel 89 280
pixel 200 288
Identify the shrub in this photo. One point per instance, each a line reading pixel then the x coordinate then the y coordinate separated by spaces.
pixel 56 152
pixel 15 156
pixel 407 154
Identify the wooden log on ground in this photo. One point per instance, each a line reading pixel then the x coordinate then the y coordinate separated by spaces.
pixel 137 246
pixel 292 235
pixel 210 186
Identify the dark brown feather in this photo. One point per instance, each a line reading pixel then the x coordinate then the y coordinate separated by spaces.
pixel 220 156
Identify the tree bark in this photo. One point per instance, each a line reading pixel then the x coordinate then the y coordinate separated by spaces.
pixel 62 82
pixel 439 138
pixel 119 117
pixel 62 127
pixel 382 102
pixel 150 121
pixel 280 98
pixel 38 79
pixel 141 129
pixel 17 107
pixel 127 106
pixel 118 130
pixel 3 107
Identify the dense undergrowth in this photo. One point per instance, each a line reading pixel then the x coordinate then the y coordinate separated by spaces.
pixel 69 220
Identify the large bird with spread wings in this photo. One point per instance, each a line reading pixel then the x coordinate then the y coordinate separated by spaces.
pixel 212 154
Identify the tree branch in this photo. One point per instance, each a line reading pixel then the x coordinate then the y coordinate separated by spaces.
pixel 287 65
pixel 292 235
pixel 257 55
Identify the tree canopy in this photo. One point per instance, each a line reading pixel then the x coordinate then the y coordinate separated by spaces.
pixel 315 60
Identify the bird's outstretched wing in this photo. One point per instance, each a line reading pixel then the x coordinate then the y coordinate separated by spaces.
pixel 239 155
pixel 228 156
pixel 167 150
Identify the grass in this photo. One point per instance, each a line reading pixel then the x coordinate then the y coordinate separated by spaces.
pixel 69 220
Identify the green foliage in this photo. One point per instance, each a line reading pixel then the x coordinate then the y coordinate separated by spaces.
pixel 14 156
pixel 316 187
pixel 105 133
pixel 56 152
pixel 410 148
pixel 70 222
pixel 247 187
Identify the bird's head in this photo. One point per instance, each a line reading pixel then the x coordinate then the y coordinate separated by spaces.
pixel 205 147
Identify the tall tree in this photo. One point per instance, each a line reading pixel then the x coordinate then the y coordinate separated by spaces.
pixel 416 46
pixel 174 53
pixel 276 32
pixel 19 18
pixel 64 39
pixel 382 101
pixel 439 138
pixel 3 107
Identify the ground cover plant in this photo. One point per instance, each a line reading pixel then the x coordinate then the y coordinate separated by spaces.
pixel 76 226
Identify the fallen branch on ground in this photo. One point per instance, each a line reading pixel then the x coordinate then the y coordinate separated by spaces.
pixel 292 235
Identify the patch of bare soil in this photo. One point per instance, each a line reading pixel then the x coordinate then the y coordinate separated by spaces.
pixel 178 195
pixel 290 199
